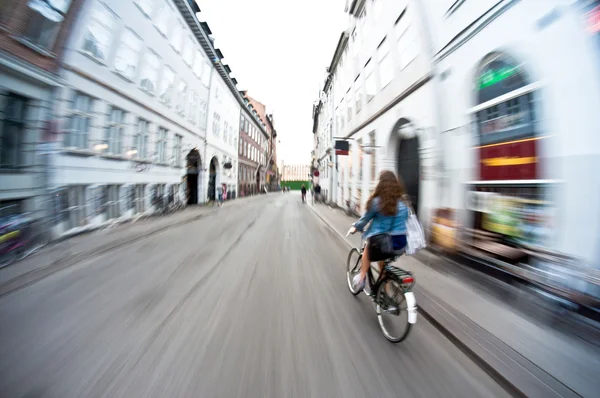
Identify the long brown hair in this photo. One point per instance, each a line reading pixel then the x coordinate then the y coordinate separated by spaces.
pixel 389 190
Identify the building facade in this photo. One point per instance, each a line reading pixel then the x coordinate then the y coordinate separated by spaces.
pixel 268 123
pixel 252 150
pixel 475 105
pixel 273 174
pixel 295 172
pixel 133 111
pixel 377 94
pixel 32 39
pixel 517 128
pixel 223 118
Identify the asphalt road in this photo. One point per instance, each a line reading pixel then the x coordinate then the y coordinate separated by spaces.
pixel 249 302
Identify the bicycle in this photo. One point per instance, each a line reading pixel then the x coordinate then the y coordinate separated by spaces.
pixel 384 291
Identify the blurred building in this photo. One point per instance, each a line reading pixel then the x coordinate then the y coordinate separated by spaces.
pixel 223 118
pixel 148 112
pixel 377 94
pixel 518 98
pixel 32 40
pixel 270 165
pixel 133 110
pixel 273 174
pixel 295 172
pixel 253 148
pixel 471 102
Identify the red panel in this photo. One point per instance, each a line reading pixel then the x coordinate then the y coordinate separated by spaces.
pixel 510 161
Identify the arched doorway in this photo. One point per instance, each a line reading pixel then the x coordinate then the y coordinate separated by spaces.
pixel 404 149
pixel 192 176
pixel 213 179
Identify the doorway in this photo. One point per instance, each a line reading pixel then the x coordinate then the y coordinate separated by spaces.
pixel 192 171
pixel 212 180
pixel 409 168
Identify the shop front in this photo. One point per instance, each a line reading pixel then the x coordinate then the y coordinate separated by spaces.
pixel 508 205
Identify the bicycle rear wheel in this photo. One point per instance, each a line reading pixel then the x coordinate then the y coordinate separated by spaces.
pixel 352 269
pixel 392 310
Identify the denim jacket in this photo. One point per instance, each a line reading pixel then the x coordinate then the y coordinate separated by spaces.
pixel 395 225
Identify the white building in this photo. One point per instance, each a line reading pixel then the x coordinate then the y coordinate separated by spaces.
pixel 519 99
pixel 467 99
pixel 133 111
pixel 222 139
pixel 378 94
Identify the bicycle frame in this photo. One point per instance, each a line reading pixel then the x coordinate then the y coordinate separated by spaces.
pixel 389 271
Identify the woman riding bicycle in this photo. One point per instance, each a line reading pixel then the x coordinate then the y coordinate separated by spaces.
pixel 388 211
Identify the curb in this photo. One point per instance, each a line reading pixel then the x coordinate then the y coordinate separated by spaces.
pixel 515 373
pixel 60 264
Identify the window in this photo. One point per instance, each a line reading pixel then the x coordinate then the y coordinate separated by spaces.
pixel 198 64
pixel 407 41
pixel 146 6
pixel 206 74
pixel 349 107
pixel 13 131
pixel 45 22
pixel 128 55
pixel 216 124
pixel 149 73
pixel 202 121
pixel 177 149
pixel 113 201
pixel 188 52
pixel 241 148
pixel 182 98
pixel 79 122
pixel 98 37
pixel 225 131
pixel 140 140
pixel 358 95
pixel 241 123
pixel 373 157
pixel 193 106
pixel 168 86
pixel 162 17
pixel 177 37
pixel 364 29
pixel 370 85
pixel 115 131
pixel 77 206
pixel 161 146
pixel 386 68
pixel 376 9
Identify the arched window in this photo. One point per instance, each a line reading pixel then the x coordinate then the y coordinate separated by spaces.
pixel 505 101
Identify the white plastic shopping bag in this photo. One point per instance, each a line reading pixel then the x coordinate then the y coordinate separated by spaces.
pixel 415 236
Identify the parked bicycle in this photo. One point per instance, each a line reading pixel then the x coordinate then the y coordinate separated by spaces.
pixel 390 291
pixel 20 237
pixel 352 209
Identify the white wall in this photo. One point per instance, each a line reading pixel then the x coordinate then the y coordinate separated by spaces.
pixel 563 60
pixel 222 103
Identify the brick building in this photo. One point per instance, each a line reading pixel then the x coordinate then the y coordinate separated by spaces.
pixel 32 39
pixel 271 175
pixel 253 151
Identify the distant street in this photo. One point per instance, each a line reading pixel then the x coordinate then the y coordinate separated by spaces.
pixel 248 302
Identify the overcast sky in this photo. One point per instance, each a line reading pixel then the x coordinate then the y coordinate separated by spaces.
pixel 278 50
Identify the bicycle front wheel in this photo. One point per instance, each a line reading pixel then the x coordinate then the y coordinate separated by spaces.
pixel 392 311
pixel 352 269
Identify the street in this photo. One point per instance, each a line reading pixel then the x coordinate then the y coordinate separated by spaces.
pixel 250 301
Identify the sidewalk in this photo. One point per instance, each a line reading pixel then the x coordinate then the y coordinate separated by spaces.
pixel 64 253
pixel 489 329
